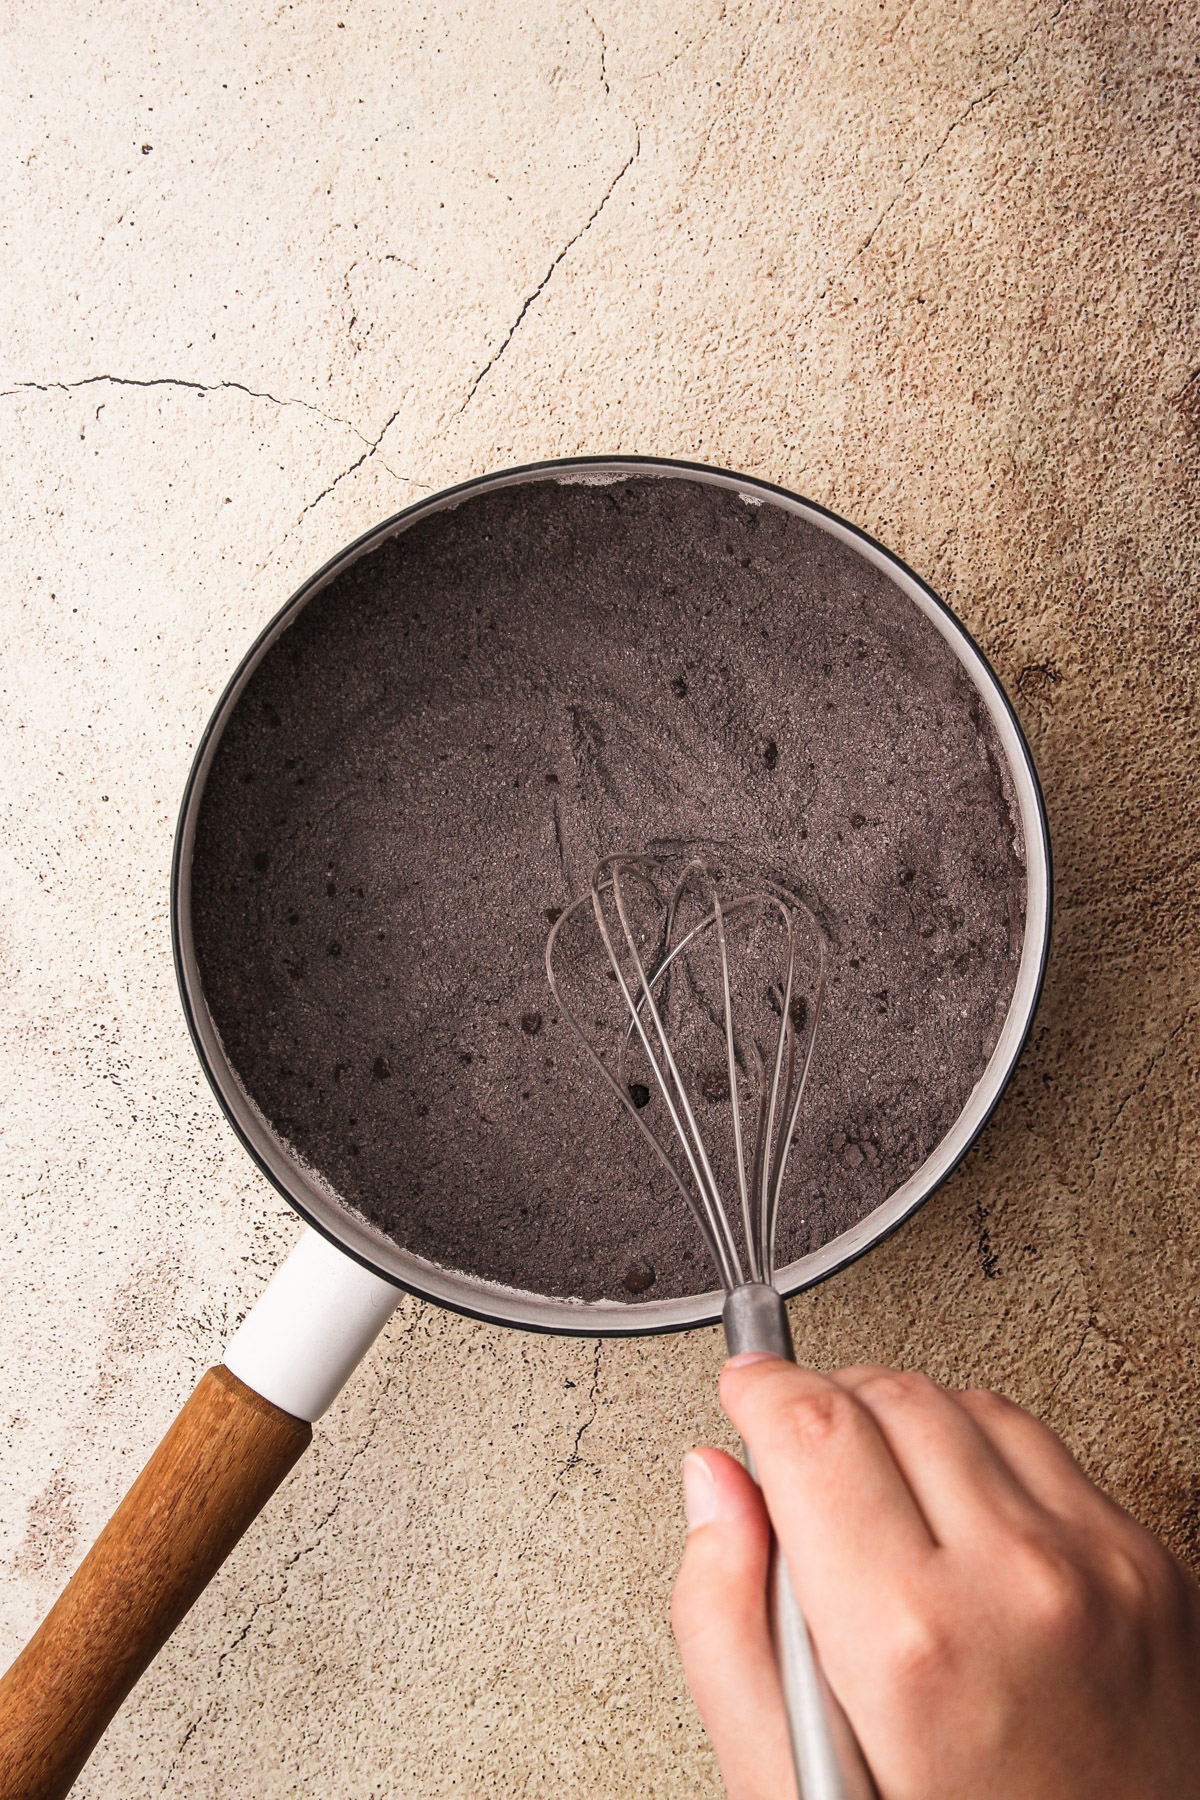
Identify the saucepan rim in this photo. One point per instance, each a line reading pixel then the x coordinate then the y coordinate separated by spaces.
pixel 327 1213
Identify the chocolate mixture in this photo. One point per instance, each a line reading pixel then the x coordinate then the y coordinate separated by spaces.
pixel 428 764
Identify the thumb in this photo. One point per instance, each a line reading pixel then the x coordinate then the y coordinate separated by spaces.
pixel 719 1615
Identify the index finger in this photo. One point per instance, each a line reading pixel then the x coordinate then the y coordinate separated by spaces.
pixel 846 1518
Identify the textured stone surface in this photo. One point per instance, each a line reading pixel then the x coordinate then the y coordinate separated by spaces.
pixel 275 271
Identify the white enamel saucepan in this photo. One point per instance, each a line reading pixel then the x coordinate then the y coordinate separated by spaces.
pixel 251 1417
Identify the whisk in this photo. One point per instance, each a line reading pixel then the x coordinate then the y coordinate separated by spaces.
pixel 705 975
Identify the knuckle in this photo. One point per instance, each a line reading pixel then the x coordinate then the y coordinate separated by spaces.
pixel 712 1605
pixel 812 1418
pixel 1076 1596
pixel 989 1403
pixel 1147 1583
pixel 1131 1581
pixel 1055 1593
pixel 916 1650
pixel 895 1387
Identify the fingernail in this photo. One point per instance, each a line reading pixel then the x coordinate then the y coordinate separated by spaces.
pixel 699 1492
pixel 751 1356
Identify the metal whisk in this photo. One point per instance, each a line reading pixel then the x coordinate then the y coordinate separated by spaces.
pixel 705 973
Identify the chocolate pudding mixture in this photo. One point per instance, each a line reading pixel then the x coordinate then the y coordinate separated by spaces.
pixel 431 760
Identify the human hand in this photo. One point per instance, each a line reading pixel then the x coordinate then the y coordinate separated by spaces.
pixel 995 1627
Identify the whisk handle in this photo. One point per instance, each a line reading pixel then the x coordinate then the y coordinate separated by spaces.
pixel 829 1764
pixel 755 1318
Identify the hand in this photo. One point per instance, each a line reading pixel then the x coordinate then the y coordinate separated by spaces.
pixel 995 1627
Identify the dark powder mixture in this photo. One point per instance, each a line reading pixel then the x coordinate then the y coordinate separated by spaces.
pixel 428 764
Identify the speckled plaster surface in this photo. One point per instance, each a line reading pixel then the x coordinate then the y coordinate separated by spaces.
pixel 276 270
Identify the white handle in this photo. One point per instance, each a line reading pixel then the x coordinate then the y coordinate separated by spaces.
pixel 310 1328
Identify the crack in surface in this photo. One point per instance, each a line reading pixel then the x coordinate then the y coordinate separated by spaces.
pixel 530 298
pixel 195 1725
pixel 979 100
pixel 1093 1325
pixel 188 1735
pixel 575 1457
pixel 1142 1085
pixel 1069 1366
pixel 722 112
pixel 1007 76
pixel 358 462
pixel 199 387
pixel 603 48
pixel 656 75
pixel 370 451
pixel 174 381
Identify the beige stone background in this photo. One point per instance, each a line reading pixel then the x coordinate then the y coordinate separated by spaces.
pixel 275 269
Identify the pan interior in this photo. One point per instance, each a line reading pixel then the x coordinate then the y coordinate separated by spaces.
pixel 427 763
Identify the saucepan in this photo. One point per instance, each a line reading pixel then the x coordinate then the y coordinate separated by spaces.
pixel 251 1416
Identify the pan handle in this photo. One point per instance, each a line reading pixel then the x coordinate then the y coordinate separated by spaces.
pixel 234 1441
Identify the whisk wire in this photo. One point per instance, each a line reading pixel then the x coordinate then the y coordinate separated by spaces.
pixel 610 1081
pixel 789 1133
pixel 734 1095
pixel 693 1145
pixel 783 1040
pixel 748 1185
pixel 645 992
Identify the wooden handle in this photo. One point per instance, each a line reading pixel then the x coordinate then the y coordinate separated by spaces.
pixel 218 1465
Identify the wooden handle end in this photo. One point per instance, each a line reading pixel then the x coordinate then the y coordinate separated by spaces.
pixel 219 1463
